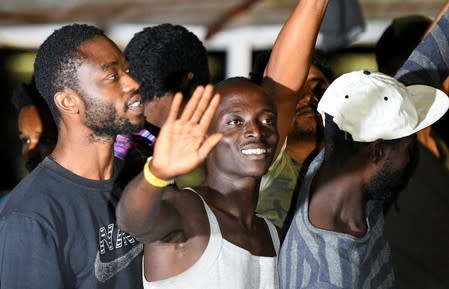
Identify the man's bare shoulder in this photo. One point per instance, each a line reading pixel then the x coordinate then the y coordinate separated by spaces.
pixel 186 196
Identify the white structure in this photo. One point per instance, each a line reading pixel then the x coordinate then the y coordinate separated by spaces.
pixel 238 43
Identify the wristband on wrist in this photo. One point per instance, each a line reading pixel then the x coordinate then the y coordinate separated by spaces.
pixel 152 179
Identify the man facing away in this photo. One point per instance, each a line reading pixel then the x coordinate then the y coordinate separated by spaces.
pixel 58 226
pixel 165 59
pixel 336 237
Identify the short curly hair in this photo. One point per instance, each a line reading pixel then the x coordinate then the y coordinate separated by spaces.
pixel 58 60
pixel 161 56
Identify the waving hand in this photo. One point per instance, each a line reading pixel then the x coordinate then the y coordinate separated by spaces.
pixel 183 143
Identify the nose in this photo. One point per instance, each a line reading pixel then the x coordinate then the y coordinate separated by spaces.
pixel 130 84
pixel 253 129
pixel 308 96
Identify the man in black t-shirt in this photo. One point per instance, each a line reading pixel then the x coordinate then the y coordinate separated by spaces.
pixel 58 227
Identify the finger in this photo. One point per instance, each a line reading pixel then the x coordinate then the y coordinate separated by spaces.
pixel 203 104
pixel 192 104
pixel 209 144
pixel 208 116
pixel 174 108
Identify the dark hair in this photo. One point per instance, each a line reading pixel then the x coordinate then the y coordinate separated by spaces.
pixel 161 57
pixel 340 145
pixel 26 94
pixel 260 62
pixel 398 41
pixel 318 59
pixel 58 59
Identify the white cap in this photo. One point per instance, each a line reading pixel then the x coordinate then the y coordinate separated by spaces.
pixel 373 105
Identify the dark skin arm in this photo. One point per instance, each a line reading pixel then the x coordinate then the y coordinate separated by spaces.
pixel 166 218
pixel 143 206
pixel 290 59
pixel 152 213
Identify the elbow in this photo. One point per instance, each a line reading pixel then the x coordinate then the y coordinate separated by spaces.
pixel 130 221
pixel 128 224
pixel 122 219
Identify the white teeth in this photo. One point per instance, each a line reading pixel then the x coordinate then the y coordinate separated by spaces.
pixel 257 151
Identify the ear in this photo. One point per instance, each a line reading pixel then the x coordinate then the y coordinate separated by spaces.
pixel 67 102
pixel 378 151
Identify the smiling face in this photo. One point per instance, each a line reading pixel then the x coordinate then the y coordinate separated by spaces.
pixel 248 123
pixel 112 103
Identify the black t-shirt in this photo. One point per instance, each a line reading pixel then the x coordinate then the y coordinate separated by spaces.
pixel 419 232
pixel 58 230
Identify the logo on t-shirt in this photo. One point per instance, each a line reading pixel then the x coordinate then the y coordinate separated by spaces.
pixel 106 270
pixel 111 239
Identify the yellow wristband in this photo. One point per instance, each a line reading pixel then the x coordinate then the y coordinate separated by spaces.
pixel 152 179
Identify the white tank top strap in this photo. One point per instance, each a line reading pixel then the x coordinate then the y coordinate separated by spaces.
pixel 215 228
pixel 213 223
pixel 203 264
pixel 274 234
pixel 223 267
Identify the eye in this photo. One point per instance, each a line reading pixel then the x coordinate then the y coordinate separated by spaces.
pixel 268 121
pixel 234 122
pixel 268 118
pixel 112 76
pixel 25 141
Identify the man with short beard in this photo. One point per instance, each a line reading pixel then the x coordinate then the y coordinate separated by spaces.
pixel 58 227
pixel 306 136
pixel 336 237
pixel 279 187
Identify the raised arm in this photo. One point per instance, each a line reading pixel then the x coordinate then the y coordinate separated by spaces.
pixel 147 211
pixel 440 14
pixel 429 62
pixel 290 59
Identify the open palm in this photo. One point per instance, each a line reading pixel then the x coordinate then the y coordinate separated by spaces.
pixel 183 143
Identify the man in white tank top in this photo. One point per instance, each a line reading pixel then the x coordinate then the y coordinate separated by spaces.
pixel 210 237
